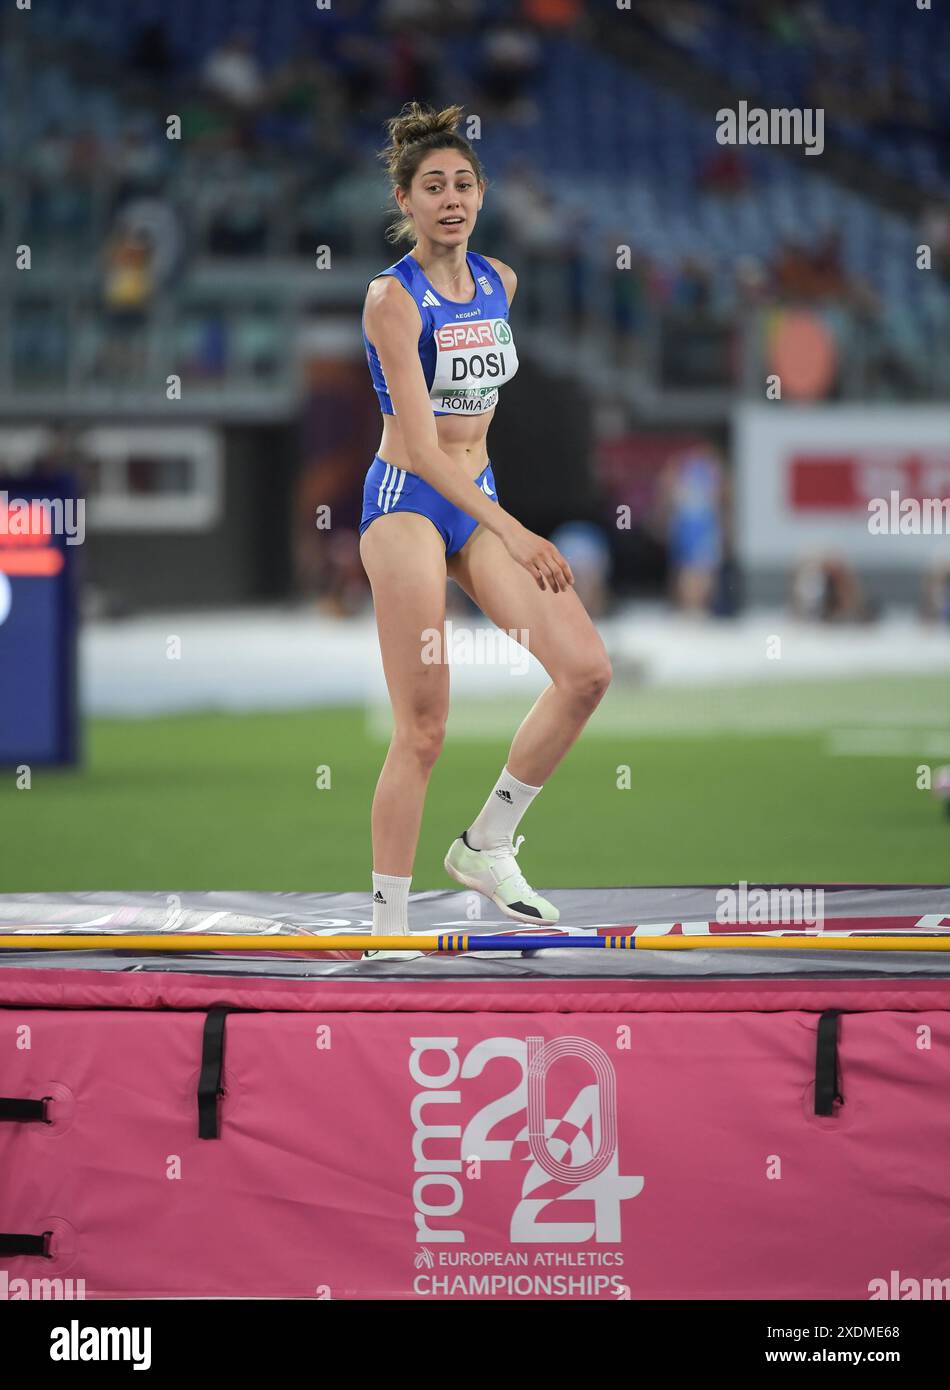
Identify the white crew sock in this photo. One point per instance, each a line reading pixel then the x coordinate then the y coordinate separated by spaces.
pixel 498 819
pixel 390 905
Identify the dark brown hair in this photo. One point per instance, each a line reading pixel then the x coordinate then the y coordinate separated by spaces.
pixel 412 134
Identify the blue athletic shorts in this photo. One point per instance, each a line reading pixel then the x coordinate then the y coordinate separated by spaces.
pixel 389 489
pixel 695 542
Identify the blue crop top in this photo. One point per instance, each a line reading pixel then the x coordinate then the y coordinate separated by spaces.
pixel 467 350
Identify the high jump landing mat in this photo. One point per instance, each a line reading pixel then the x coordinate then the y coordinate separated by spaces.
pixel 596 1125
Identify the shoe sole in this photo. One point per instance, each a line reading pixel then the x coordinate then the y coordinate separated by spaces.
pixel 467 882
pixel 396 955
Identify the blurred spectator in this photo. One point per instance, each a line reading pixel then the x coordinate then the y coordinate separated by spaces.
pixel 585 547
pixel 51 154
pixel 725 172
pixel 826 589
pixel 892 369
pixel 362 65
pixel 415 64
pixel 315 222
pixel 238 224
pixel 127 289
pixel 308 103
pixel 691 502
pixel 346 214
pixel 629 297
pixel 692 286
pixel 575 266
pixel 128 282
pixel 812 274
pixel 137 160
pixel 232 72
pixel 150 54
pixel 841 90
pixel 204 357
pixel 533 220
pixel 330 156
pixel 157 220
pixel 510 61
pixel 802 350
pixel 751 282
pixel 529 208
pixel 207 127
pixel 895 109
pixel 58 184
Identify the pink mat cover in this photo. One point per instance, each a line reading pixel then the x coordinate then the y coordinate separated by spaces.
pixel 545 1139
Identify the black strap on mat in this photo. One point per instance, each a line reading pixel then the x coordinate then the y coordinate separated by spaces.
pixel 826 1064
pixel 212 1066
pixel 11 1244
pixel 13 1108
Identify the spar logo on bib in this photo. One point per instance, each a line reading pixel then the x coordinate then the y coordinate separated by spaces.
pixel 517 1135
pixel 472 360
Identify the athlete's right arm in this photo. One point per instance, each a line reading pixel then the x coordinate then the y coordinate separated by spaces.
pixel 392 323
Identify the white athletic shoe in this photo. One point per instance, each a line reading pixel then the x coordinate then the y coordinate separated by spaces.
pixel 495 873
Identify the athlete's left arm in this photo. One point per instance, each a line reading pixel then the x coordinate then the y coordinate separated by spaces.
pixel 508 277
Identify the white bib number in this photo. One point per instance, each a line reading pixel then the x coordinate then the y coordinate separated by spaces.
pixel 472 361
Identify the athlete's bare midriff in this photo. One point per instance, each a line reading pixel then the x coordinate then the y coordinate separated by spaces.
pixel 463 439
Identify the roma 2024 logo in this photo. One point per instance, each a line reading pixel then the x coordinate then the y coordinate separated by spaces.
pixel 570 1138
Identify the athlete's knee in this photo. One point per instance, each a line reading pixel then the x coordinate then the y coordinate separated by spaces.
pixel 422 737
pixel 586 680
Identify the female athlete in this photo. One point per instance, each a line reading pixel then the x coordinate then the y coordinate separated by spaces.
pixel 439 348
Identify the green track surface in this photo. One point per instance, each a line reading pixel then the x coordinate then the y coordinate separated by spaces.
pixel 725 785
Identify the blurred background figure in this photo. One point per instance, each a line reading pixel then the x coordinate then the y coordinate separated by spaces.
pixel 586 550
pixel 825 589
pixel 729 355
pixel 691 498
pixel 232 73
pixel 509 65
pixel 128 287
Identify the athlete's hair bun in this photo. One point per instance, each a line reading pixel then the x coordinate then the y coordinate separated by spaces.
pixel 415 122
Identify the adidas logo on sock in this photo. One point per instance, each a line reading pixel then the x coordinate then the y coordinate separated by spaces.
pixel 505 796
pixel 378 897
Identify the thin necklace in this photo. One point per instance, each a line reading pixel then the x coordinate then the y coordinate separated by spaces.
pixel 454 277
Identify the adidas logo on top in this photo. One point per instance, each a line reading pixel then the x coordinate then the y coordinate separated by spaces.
pixel 430 299
pixel 505 796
